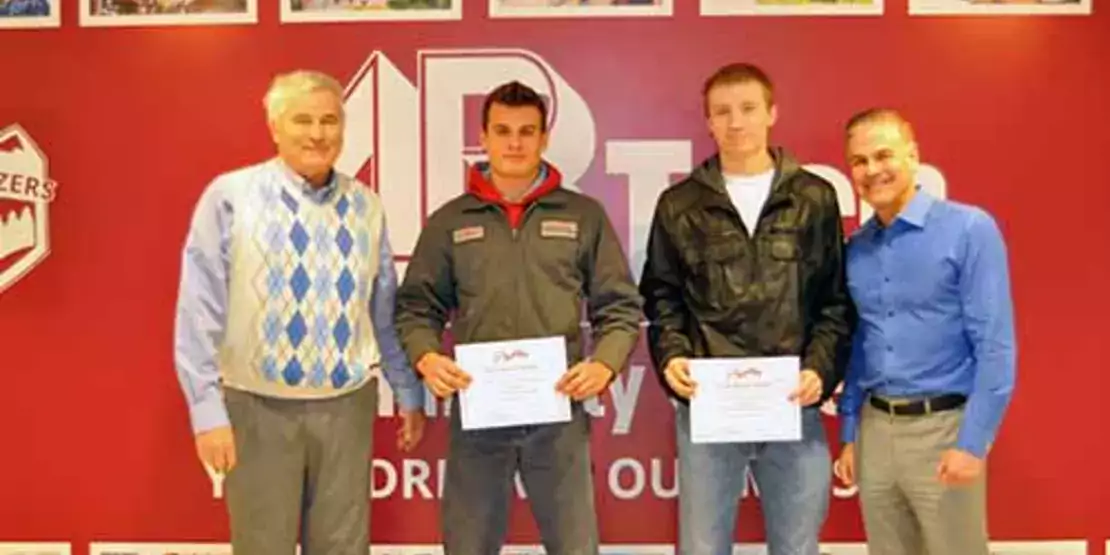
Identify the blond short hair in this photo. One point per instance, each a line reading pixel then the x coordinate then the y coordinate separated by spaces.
pixel 287 86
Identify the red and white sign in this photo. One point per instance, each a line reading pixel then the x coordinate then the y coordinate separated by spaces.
pixel 25 196
pixel 1011 115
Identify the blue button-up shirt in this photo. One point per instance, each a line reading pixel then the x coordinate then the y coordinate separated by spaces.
pixel 935 315
pixel 203 297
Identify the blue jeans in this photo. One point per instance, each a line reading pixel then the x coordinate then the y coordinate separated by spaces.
pixel 793 480
pixel 554 465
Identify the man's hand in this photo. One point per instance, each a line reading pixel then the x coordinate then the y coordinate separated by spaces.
pixel 809 388
pixel 216 448
pixel 411 430
pixel 958 468
pixel 845 467
pixel 677 374
pixel 441 374
pixel 585 380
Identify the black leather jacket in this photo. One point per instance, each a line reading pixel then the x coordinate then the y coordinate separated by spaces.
pixel 711 290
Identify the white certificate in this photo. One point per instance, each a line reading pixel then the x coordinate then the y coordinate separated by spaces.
pixel 741 400
pixel 513 383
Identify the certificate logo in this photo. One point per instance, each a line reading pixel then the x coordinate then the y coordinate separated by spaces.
pixel 743 376
pixel 509 355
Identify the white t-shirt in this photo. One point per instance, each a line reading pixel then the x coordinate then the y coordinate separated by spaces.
pixel 749 193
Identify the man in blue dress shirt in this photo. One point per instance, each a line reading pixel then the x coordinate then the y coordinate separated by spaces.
pixel 932 367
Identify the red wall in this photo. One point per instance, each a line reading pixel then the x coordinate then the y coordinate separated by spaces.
pixel 95 438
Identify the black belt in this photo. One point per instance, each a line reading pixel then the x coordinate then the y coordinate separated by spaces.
pixel 901 407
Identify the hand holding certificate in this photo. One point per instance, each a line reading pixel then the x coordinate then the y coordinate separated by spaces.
pixel 513 383
pixel 743 400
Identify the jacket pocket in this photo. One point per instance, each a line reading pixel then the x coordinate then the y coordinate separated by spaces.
pixel 719 269
pixel 782 243
pixel 782 267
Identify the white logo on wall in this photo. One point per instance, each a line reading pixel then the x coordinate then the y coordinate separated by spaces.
pixel 26 192
pixel 419 131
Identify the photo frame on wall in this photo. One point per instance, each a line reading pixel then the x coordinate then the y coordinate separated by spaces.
pixel 1000 7
pixel 791 7
pixel 332 11
pixel 1039 547
pixel 142 13
pixel 579 8
pixel 96 548
pixel 48 548
pixel 30 14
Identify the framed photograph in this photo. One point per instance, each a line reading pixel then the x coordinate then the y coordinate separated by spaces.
pixel 142 13
pixel 332 11
pixel 160 549
pixel 34 548
pixel 580 8
pixel 1042 547
pixel 791 7
pixel 30 14
pixel 1000 7
pixel 825 548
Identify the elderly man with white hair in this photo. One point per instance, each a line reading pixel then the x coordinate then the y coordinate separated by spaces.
pixel 284 324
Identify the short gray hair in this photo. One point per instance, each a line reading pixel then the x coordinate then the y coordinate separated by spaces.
pixel 287 86
pixel 880 115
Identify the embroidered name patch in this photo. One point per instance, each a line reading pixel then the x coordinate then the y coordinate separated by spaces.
pixel 472 233
pixel 559 228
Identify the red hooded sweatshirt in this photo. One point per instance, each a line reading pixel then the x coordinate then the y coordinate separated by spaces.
pixel 479 186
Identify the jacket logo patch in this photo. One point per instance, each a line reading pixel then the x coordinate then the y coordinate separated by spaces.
pixel 472 233
pixel 559 228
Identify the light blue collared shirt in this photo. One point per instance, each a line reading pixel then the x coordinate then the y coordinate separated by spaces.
pixel 203 298
pixel 932 291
